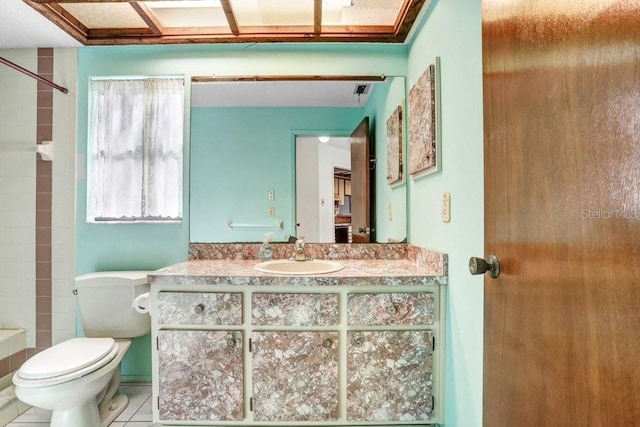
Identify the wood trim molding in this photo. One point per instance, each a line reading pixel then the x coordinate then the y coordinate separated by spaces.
pixel 269 78
pixel 156 33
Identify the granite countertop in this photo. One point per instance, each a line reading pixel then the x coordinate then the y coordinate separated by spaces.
pixel 421 267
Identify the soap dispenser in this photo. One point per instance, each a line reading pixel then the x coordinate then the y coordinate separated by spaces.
pixel 266 253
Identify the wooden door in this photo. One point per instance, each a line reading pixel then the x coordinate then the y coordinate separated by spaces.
pixel 562 212
pixel 360 183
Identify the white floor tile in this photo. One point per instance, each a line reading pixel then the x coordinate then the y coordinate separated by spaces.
pixel 144 412
pixel 140 424
pixel 14 424
pixel 136 414
pixel 33 415
pixel 138 394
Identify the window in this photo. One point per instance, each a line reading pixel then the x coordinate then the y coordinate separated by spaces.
pixel 135 149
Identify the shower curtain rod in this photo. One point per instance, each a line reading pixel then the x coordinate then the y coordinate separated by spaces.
pixel 35 76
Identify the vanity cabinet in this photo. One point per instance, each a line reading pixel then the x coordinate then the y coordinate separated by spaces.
pixel 307 355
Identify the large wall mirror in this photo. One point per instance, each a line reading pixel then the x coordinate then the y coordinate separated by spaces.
pixel 274 155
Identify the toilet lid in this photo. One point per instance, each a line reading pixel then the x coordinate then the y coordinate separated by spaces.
pixel 70 356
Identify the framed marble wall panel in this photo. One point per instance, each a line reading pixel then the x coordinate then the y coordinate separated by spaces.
pixel 395 166
pixel 424 123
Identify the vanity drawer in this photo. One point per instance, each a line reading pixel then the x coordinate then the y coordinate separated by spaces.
pixel 199 308
pixel 294 309
pixel 391 309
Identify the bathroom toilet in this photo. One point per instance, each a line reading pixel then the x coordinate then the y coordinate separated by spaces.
pixel 78 379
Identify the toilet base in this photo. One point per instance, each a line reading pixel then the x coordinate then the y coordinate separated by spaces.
pixel 82 415
pixel 88 414
pixel 109 412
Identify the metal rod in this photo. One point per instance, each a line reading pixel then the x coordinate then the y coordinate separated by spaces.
pixel 34 75
pixel 277 226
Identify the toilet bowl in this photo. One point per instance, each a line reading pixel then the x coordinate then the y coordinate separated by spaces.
pixel 72 393
pixel 78 379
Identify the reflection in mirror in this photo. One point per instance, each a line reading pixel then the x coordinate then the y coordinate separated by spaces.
pixel 323 166
pixel 245 138
pixel 342 205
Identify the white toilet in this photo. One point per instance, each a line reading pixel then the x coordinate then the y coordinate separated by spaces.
pixel 78 379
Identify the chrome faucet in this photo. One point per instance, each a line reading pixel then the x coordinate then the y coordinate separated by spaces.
pixel 299 255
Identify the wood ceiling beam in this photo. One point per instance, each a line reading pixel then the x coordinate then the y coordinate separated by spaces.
pixel 231 38
pixel 317 16
pixel 147 17
pixel 231 19
pixel 110 33
pixel 407 16
pixel 78 1
pixel 347 30
pixel 157 33
pixel 262 32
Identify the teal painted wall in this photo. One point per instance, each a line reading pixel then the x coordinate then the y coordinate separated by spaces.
pixel 238 154
pixel 103 247
pixel 453 32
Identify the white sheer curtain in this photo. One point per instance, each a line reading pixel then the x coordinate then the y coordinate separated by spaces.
pixel 135 149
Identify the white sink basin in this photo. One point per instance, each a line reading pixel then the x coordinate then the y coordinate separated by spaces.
pixel 285 266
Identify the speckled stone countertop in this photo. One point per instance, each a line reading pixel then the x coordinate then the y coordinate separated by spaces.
pixel 364 264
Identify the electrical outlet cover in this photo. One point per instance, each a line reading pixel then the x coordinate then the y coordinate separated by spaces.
pixel 446 207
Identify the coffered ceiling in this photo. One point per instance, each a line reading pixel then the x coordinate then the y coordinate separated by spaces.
pixel 120 22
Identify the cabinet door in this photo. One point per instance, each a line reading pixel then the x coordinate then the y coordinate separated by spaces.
pixel 295 376
pixel 200 375
pixel 389 375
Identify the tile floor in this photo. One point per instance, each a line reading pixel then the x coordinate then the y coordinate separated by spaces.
pixel 136 414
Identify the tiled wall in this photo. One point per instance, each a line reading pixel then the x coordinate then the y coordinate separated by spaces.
pixel 63 253
pixel 13 343
pixel 37 236
pixel 13 353
pixel 18 102
pixel 44 179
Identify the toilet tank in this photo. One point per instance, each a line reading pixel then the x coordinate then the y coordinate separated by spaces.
pixel 105 303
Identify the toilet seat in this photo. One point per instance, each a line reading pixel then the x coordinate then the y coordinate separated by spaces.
pixel 66 361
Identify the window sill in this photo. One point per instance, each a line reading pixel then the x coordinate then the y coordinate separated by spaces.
pixel 135 221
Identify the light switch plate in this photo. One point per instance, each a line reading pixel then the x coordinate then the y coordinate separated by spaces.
pixel 445 214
